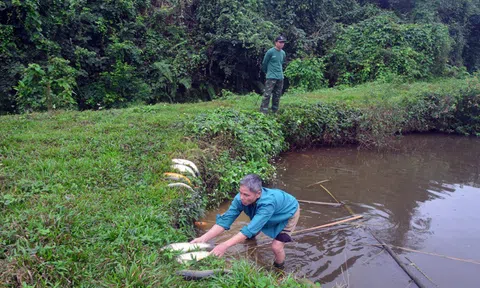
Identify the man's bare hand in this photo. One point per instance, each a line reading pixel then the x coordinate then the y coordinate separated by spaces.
pixel 219 250
pixel 198 240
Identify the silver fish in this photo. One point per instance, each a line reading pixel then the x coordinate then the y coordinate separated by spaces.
pixel 181 185
pixel 192 256
pixel 186 247
pixel 187 163
pixel 183 168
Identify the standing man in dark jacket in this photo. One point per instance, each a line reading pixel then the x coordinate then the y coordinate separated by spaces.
pixel 272 66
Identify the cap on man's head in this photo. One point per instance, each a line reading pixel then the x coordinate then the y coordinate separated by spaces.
pixel 280 39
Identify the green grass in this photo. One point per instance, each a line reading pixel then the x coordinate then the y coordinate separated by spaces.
pixel 83 201
pixel 369 93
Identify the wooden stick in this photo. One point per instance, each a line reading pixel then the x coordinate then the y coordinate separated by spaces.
pixel 400 263
pixel 316 183
pixel 348 208
pixel 328 225
pixel 433 254
pixel 321 203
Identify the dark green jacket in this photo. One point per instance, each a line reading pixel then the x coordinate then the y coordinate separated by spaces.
pixel 272 63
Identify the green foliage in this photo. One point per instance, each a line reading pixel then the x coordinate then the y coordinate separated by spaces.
pixel 247 141
pixel 446 111
pixel 11 68
pixel 244 276
pixel 226 172
pixel 246 135
pixel 236 34
pixel 306 73
pixel 49 87
pixel 121 86
pixel 319 124
pixel 188 209
pixel 380 46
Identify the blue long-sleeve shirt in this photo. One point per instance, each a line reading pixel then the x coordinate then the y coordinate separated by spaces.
pixel 269 214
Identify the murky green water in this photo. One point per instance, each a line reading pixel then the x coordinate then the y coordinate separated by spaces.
pixel 425 196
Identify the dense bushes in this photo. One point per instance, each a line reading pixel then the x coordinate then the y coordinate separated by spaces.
pixel 319 124
pixel 380 46
pixel 307 74
pixel 121 52
pixel 451 112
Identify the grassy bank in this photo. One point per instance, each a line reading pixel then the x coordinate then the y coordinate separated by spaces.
pixel 83 200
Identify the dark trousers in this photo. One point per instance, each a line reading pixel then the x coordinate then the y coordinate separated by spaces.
pixel 273 89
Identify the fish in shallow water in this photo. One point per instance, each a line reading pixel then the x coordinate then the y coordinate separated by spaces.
pixel 197 256
pixel 186 247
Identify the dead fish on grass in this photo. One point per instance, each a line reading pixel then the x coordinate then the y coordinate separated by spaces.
pixel 186 247
pixel 187 163
pixel 192 256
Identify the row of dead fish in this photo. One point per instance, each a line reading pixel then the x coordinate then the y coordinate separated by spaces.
pixel 182 166
pixel 188 249
pixel 186 167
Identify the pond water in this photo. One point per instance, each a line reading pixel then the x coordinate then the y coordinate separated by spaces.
pixel 423 196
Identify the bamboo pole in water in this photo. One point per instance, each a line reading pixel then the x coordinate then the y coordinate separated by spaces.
pixel 328 224
pixel 316 183
pixel 420 270
pixel 400 263
pixel 432 254
pixel 321 203
pixel 346 206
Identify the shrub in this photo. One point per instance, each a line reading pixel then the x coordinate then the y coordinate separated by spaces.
pixel 235 144
pixel 49 87
pixel 307 74
pixel 382 45
pixel 322 123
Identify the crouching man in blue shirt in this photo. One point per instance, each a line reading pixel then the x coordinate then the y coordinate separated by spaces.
pixel 272 211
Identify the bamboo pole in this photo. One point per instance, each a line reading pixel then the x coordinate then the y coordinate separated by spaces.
pixel 346 206
pixel 420 270
pixel 330 193
pixel 316 183
pixel 400 263
pixel 433 254
pixel 321 203
pixel 328 224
